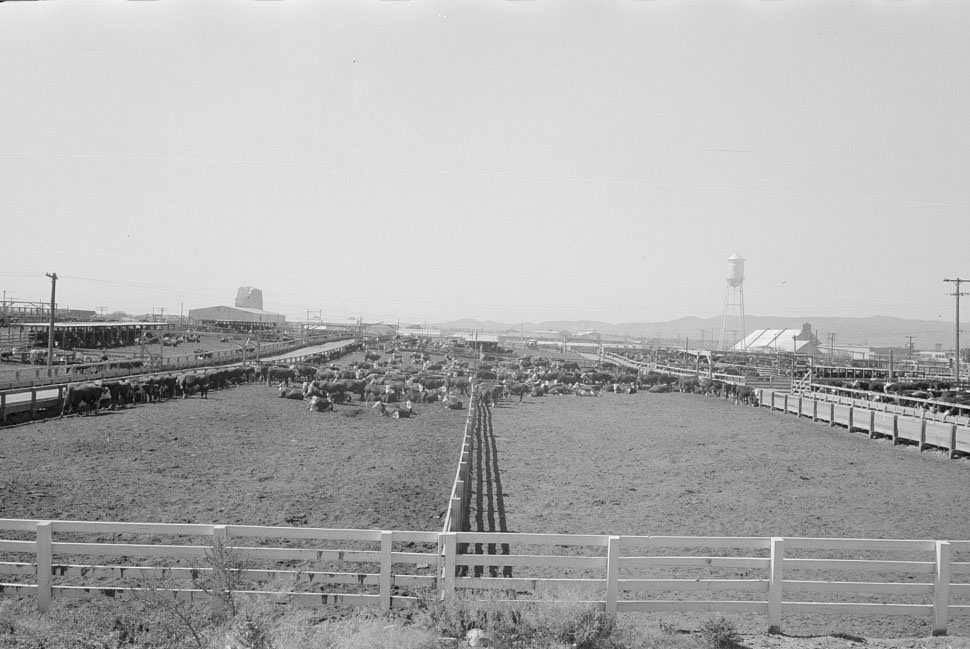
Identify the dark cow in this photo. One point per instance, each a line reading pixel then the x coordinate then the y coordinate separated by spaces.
pixel 274 373
pixel 122 393
pixel 84 397
pixel 167 385
pixel 520 389
pixel 192 383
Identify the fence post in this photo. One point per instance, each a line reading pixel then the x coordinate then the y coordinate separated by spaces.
pixel 872 424
pixel 217 600
pixel 953 441
pixel 785 404
pixel 895 429
pixel 799 413
pixel 831 414
pixel 922 434
pixel 612 574
pixel 941 588
pixel 775 577
pixel 851 417
pixel 814 410
pixel 385 592
pixel 45 560
pixel 451 550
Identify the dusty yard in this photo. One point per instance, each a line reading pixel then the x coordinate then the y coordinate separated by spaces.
pixel 676 464
pixel 662 464
pixel 242 456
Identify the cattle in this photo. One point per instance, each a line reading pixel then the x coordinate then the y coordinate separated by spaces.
pixel 320 404
pixel 290 393
pixel 88 394
pixel 461 384
pixel 489 395
pixel 303 372
pixel 274 373
pixel 520 389
pixel 396 412
pixel 192 383
pixel 122 393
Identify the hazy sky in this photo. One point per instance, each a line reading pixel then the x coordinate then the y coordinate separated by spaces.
pixel 516 161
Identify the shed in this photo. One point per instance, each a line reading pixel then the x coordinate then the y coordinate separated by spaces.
pixel 235 317
pixel 800 341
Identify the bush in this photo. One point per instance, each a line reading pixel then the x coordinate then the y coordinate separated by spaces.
pixel 720 634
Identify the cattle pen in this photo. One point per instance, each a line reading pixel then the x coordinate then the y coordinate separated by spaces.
pixel 46 398
pixel 772 577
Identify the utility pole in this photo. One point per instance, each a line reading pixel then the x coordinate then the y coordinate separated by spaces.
pixel 957 293
pixel 50 335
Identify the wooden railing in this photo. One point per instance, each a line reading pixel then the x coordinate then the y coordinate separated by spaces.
pixel 314 567
pixel 951 436
pixel 28 376
pixel 179 560
pixel 460 494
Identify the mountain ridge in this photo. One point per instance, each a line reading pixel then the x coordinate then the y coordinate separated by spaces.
pixel 876 331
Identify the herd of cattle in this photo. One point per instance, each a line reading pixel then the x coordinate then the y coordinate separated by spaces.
pixel 933 396
pixel 392 382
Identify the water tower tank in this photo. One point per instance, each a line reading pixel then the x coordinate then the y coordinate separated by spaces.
pixel 736 270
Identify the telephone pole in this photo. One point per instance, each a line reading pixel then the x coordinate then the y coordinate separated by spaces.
pixel 50 335
pixel 957 293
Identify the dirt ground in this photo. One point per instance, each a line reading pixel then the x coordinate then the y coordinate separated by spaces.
pixel 677 464
pixel 662 464
pixel 242 456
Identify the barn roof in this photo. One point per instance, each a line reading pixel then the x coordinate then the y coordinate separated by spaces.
pixel 801 341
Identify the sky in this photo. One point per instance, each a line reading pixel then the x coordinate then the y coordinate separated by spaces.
pixel 517 161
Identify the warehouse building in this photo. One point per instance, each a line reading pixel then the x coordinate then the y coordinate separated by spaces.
pixel 800 341
pixel 247 314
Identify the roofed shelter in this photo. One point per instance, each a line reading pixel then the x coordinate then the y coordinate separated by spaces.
pixel 247 314
pixel 237 318
pixel 90 335
pixel 799 341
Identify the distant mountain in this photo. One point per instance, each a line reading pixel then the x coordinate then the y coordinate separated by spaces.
pixel 875 331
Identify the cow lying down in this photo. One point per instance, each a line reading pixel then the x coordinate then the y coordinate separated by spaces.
pixel 397 412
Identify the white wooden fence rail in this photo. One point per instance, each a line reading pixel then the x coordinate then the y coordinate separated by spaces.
pixel 773 577
pixel 860 416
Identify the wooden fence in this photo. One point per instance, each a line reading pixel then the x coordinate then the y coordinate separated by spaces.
pixel 27 376
pixel 49 397
pixel 186 561
pixel 773 577
pixel 899 427
pixel 459 498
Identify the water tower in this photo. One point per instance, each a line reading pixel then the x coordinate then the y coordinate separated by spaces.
pixel 733 302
